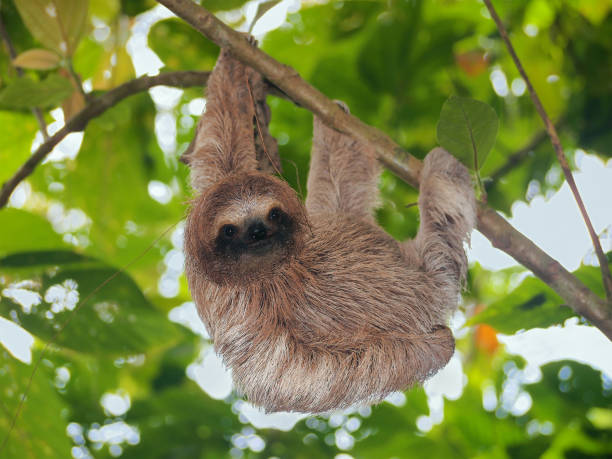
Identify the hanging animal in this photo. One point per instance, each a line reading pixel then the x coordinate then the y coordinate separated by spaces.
pixel 313 306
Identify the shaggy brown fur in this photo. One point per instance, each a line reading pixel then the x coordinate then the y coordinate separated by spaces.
pixel 315 307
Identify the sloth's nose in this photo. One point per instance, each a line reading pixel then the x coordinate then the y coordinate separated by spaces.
pixel 257 231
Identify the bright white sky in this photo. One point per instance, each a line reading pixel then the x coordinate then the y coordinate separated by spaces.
pixel 554 224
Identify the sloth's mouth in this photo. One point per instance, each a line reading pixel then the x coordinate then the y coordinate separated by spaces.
pixel 262 245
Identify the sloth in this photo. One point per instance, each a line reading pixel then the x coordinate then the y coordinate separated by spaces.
pixel 312 306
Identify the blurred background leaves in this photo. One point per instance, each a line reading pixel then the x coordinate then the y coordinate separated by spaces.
pixel 119 379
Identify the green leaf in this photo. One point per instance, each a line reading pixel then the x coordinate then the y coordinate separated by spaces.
pixel 135 7
pixel 222 5
pixel 578 385
pixel 109 180
pixel 26 93
pixel 105 10
pixel 23 231
pixel 386 58
pixel 18 130
pixel 117 319
pixel 197 428
pixel 591 277
pixel 88 59
pixel 467 128
pixel 532 304
pixel 91 375
pixel 41 427
pixel 197 52
pixel 57 24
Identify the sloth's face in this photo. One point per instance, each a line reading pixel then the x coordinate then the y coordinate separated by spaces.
pixel 244 227
pixel 255 227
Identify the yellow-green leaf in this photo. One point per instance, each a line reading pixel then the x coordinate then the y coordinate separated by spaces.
pixel 25 93
pixel 37 59
pixel 57 24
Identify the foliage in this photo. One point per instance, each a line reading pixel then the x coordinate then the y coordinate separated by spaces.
pixel 100 203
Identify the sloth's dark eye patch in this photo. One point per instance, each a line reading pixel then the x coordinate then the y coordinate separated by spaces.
pixel 274 214
pixel 229 231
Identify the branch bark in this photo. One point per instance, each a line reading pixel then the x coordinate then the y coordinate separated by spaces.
pixel 95 108
pixel 407 167
pixel 556 143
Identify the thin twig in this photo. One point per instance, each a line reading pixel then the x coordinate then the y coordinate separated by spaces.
pixel 396 159
pixel 77 80
pixel 13 54
pixel 95 108
pixel 554 138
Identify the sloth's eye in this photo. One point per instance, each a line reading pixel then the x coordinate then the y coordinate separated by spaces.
pixel 274 214
pixel 229 230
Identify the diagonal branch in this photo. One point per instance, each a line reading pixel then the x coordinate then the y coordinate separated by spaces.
pixel 95 108
pixel 407 167
pixel 554 138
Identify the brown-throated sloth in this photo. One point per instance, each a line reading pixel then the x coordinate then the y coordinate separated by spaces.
pixel 314 307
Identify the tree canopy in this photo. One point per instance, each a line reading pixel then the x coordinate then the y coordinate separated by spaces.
pixel 94 196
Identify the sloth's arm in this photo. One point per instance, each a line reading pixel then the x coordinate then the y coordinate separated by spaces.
pixel 224 142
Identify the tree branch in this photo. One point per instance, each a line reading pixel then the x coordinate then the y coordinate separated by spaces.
pixel 95 108
pixel 407 167
pixel 554 138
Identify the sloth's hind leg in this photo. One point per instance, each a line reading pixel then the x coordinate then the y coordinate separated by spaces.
pixel 343 173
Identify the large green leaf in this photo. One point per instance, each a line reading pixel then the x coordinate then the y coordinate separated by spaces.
pixel 194 425
pixel 467 128
pixel 40 430
pixel 57 24
pixel 21 231
pixel 579 386
pixel 109 181
pixel 531 304
pixel 386 58
pixel 114 318
pixel 476 435
pixel 26 93
pixel 386 419
pixel 18 131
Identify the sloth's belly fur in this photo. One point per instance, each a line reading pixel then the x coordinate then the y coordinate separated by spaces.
pixel 335 328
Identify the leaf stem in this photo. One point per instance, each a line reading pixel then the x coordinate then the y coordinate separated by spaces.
pixel 77 79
